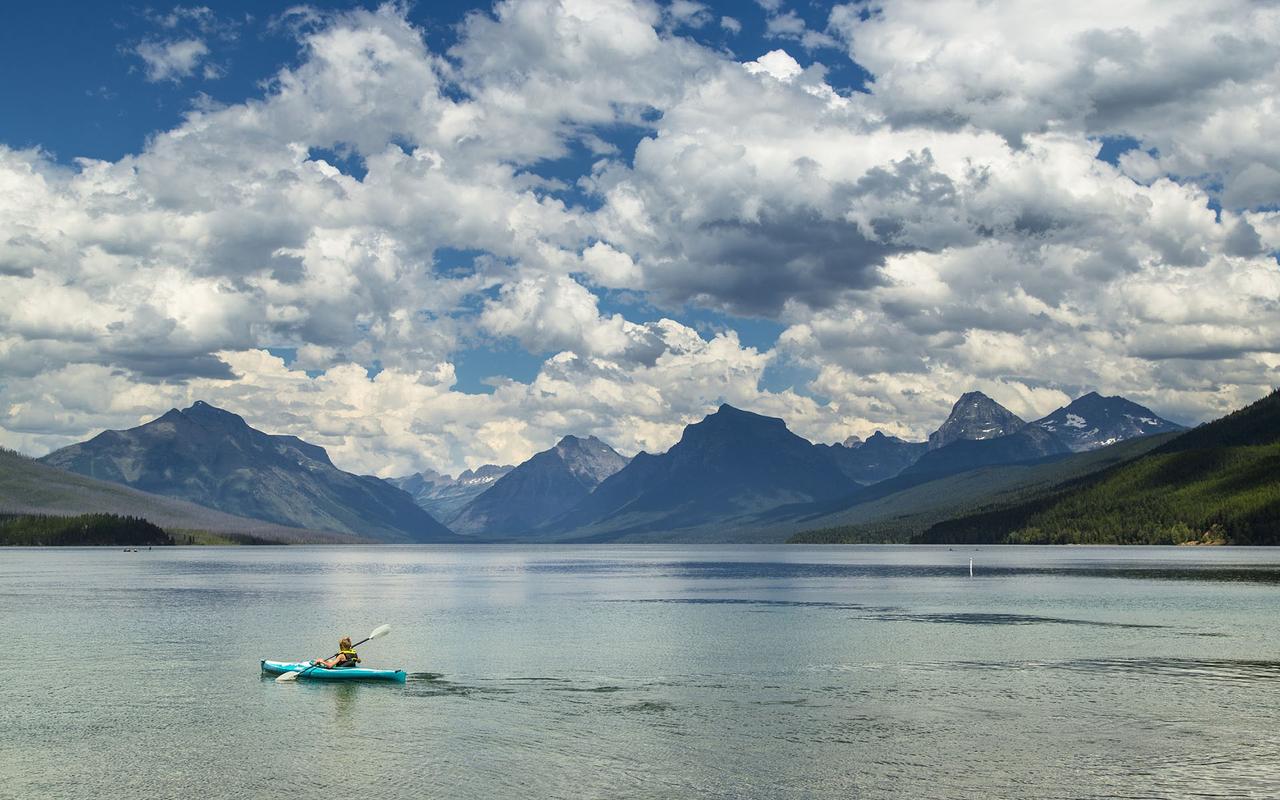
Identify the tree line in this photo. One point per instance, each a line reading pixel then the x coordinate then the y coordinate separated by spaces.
pixel 40 530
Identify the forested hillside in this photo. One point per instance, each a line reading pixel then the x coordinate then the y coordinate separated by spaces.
pixel 84 530
pixel 909 512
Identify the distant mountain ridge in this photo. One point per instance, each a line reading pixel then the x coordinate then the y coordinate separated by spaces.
pixel 731 464
pixel 879 458
pixel 443 496
pixel 214 458
pixel 548 484
pixel 1028 444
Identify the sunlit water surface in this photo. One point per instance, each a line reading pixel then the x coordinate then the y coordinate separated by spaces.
pixel 645 672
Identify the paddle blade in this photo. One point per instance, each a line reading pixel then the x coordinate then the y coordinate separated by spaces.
pixel 287 677
pixel 380 631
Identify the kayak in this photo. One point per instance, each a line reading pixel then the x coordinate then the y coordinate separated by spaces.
pixel 325 674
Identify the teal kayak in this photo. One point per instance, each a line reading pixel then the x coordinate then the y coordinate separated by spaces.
pixel 325 674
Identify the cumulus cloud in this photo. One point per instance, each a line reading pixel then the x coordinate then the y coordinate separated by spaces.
pixel 952 229
pixel 1195 82
pixel 790 25
pixel 399 421
pixel 180 45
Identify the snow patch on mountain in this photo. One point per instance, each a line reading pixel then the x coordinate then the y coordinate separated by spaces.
pixel 1093 421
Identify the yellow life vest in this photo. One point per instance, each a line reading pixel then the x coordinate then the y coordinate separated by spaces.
pixel 351 656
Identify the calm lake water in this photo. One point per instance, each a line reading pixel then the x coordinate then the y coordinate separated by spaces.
pixel 645 672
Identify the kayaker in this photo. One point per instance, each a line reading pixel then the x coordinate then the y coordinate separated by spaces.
pixel 346 657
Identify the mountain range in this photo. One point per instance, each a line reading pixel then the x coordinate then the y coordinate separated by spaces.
pixel 1216 484
pixel 735 475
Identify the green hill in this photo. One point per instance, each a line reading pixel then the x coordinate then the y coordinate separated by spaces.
pixel 909 512
pixel 28 487
pixel 1216 484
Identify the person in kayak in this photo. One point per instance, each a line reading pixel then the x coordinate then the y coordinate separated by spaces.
pixel 346 657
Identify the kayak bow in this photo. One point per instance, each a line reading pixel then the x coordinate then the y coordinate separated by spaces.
pixel 326 674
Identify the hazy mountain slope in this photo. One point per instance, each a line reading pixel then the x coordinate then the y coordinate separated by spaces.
pixel 878 458
pixel 212 457
pixel 443 496
pixel 545 486
pixel 29 487
pixel 1217 483
pixel 1031 443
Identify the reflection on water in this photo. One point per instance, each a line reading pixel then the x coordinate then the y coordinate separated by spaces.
pixel 656 672
pixel 1266 673
pixel 746 570
pixel 899 614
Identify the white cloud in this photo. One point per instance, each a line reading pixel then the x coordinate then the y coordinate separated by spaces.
pixel 790 25
pixel 777 63
pixel 171 60
pixel 1197 82
pixel 555 314
pixel 689 13
pixel 400 421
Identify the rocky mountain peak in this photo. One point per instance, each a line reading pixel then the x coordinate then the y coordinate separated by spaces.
pixel 975 417
pixel 1092 421
pixel 728 423
pixel 483 474
pixel 210 415
pixel 590 460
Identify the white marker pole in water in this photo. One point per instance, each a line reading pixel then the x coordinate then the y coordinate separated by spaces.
pixel 970 566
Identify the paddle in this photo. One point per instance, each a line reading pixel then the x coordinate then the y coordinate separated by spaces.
pixel 380 631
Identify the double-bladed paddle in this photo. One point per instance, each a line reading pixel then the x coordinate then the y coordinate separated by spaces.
pixel 381 630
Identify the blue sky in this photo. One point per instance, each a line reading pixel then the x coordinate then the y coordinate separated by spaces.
pixel 444 234
pixel 94 100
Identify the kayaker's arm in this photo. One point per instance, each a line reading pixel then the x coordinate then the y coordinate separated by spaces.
pixel 345 644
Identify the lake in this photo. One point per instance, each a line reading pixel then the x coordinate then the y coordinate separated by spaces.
pixel 645 672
